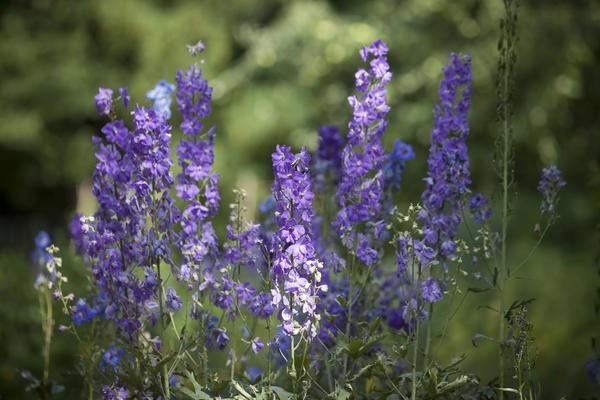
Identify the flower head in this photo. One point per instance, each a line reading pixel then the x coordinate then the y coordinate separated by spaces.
pixel 296 270
pixel 549 186
pixel 104 101
pixel 361 189
pixel 448 174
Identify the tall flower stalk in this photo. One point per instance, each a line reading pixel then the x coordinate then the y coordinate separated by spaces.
pixel 296 271
pixel 504 158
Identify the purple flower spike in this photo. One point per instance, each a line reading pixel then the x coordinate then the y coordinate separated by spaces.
pixel 549 186
pixel 448 175
pixel 361 189
pixel 296 270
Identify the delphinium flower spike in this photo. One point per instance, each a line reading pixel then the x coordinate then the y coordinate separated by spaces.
pixel 448 174
pixel 132 183
pixel 296 271
pixel 197 184
pixel 549 186
pixel 361 189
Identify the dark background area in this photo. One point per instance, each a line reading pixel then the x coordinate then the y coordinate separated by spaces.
pixel 280 69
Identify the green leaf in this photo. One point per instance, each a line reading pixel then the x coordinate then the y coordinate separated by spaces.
pixel 478 290
pixel 282 393
pixel 241 390
pixel 479 337
pixel 342 301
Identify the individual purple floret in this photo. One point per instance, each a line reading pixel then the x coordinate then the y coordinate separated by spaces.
pixel 111 358
pixel 81 312
pixel 395 164
pixel 361 189
pixel 257 345
pixel 124 96
pixel 220 338
pixel 296 272
pixel 448 175
pixel 431 291
pixel 479 207
pixel 549 186
pixel 173 301
pixel 117 393
pixel 104 101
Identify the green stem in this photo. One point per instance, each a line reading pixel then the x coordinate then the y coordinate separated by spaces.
pixel 428 337
pixel 46 304
pixel 350 300
pixel 414 360
pixel 166 381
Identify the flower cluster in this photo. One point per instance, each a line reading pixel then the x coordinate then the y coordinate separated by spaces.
pixel 142 244
pixel 197 184
pixel 132 183
pixel 361 188
pixel 549 186
pixel 479 207
pixel 448 175
pixel 296 271
pixel 396 162
pixel 48 273
pixel 327 163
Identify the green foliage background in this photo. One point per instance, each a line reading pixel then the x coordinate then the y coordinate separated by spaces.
pixel 279 69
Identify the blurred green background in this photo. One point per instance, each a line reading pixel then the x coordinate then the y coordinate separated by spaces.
pixel 280 69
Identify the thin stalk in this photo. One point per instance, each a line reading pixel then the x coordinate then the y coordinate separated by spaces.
pixel 506 63
pixel 428 337
pixel 503 266
pixel 46 308
pixel 166 381
pixel 414 361
pixel 350 300
pixel 417 322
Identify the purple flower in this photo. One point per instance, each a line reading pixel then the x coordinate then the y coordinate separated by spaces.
pixel 132 228
pixel 479 207
pixel 328 159
pixel 253 373
pixel 360 192
pixel 40 255
pixel 395 164
pixel 448 174
pixel 221 338
pixel 262 305
pixel 193 99
pixel 257 345
pixel 549 186
pixel 430 291
pixel 172 301
pixel 104 101
pixel 118 393
pixel 295 270
pixel 124 96
pixel 82 312
pixel 111 358
pixel 197 183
